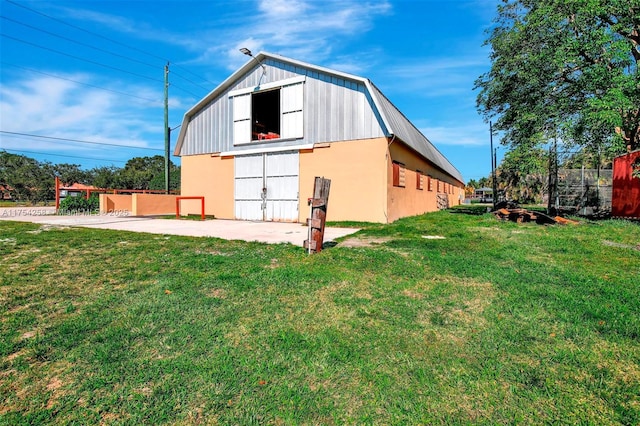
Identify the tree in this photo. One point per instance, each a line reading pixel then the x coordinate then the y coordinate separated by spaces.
pixel 158 182
pixel 522 174
pixel 29 179
pixel 139 172
pixel 484 182
pixel 69 173
pixel 470 188
pixel 566 69
pixel 104 177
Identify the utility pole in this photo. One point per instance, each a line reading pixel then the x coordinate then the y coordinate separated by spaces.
pixel 493 168
pixel 553 203
pixel 166 128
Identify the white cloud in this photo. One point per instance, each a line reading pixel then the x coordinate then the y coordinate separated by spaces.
pixel 282 8
pixel 308 29
pixel 476 134
pixel 57 108
pixel 304 29
pixel 437 77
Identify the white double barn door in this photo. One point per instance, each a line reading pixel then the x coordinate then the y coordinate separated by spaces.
pixel 266 186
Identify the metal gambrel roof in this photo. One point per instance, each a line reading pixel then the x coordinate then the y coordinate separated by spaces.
pixel 394 122
pixel 403 129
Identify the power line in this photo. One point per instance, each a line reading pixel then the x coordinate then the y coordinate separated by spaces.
pixel 186 91
pixel 81 43
pixel 79 82
pixel 81 59
pixel 96 63
pixel 108 39
pixel 78 141
pixel 195 75
pixel 62 155
pixel 190 81
pixel 86 31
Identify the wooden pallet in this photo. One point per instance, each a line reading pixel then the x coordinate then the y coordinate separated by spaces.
pixel 519 215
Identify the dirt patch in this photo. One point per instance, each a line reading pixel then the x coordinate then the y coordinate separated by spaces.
pixel 273 264
pixel 48 227
pixel 54 384
pixel 412 294
pixel 217 293
pixel 363 241
pixel 619 245
pixel 28 335
pixel 212 252
pixel 15 355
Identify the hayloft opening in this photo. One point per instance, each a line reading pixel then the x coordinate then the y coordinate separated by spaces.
pixel 265 113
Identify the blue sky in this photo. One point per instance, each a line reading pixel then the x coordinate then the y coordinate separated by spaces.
pixel 93 70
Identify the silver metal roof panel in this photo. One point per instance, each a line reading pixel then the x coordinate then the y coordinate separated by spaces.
pixel 393 121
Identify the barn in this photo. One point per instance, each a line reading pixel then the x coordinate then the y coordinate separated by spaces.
pixel 253 146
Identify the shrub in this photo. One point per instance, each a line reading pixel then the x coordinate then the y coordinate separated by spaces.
pixel 80 204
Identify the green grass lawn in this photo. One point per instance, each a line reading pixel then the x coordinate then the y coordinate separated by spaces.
pixel 497 323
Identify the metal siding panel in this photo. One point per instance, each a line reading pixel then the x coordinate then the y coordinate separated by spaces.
pixel 292 101
pixel 248 166
pixel 283 164
pixel 248 188
pixel 248 210
pixel 293 97
pixel 282 182
pixel 241 107
pixel 291 125
pixel 282 211
pixel 248 182
pixel 282 188
pixel 241 118
pixel 204 132
pixel 338 112
pixel 241 131
pixel 280 172
pixel 334 109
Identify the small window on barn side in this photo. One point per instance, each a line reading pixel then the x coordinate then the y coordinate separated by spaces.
pixel 419 180
pixel 398 174
pixel 429 183
pixel 439 186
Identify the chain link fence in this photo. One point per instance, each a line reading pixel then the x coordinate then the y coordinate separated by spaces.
pixel 582 191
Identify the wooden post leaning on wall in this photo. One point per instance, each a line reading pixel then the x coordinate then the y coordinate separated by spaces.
pixel 318 217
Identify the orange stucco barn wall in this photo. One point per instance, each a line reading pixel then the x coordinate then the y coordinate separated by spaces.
pixel 361 173
pixel 358 179
pixel 211 177
pixel 408 200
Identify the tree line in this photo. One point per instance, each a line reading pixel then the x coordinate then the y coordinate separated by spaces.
pixel 33 180
pixel 563 73
pixel 523 174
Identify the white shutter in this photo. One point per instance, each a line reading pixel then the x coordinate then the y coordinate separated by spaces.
pixel 292 98
pixel 241 119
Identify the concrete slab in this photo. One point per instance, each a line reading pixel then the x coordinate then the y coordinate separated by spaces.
pixel 265 232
